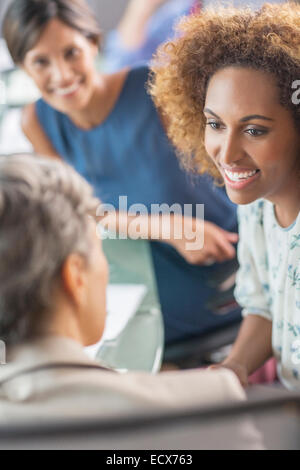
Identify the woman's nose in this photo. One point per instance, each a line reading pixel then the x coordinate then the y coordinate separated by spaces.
pixel 230 151
pixel 61 72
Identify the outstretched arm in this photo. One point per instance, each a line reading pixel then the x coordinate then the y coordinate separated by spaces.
pixel 132 27
pixel 251 349
pixel 197 241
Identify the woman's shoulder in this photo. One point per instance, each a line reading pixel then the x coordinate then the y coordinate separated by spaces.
pixel 28 117
pixel 135 83
pixel 30 121
pixel 35 131
pixel 132 98
pixel 43 110
pixel 139 73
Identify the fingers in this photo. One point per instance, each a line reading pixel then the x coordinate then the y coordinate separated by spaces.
pixel 219 244
pixel 231 236
pixel 239 372
pixel 209 254
pixel 219 250
pixel 226 249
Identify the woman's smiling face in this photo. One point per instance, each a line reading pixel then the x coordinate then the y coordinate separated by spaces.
pixel 251 137
pixel 62 65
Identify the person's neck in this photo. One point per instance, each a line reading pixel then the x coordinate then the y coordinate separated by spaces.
pixel 287 205
pixel 107 89
pixel 64 324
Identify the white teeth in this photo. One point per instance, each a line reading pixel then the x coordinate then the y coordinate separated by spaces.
pixel 234 176
pixel 68 90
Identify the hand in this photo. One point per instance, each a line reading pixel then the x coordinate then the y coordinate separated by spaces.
pixel 239 370
pixel 218 243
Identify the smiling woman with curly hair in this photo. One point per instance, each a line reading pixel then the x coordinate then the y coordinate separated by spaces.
pixel 267 40
pixel 229 91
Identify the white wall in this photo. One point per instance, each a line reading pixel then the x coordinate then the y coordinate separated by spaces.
pixel 108 12
pixel 3 6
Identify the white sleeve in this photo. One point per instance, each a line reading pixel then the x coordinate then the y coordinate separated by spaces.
pixel 252 285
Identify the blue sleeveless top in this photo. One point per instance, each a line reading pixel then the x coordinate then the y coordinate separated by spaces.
pixel 129 154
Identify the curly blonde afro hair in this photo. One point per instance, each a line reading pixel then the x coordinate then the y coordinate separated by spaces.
pixel 267 40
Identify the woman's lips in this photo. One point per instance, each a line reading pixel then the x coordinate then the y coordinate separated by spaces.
pixel 240 179
pixel 66 91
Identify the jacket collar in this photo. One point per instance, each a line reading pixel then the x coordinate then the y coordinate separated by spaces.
pixel 42 351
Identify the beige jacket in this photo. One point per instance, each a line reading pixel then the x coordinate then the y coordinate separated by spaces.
pixel 71 392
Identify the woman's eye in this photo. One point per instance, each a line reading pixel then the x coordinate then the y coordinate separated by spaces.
pixel 71 53
pixel 214 125
pixel 40 62
pixel 255 132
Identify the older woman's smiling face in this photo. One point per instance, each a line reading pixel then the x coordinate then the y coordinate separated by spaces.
pixel 251 137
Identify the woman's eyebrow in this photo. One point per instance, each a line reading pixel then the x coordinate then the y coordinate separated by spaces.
pixel 244 119
pixel 206 110
pixel 33 55
pixel 255 116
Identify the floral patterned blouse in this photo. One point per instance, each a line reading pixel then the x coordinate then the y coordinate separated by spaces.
pixel 268 281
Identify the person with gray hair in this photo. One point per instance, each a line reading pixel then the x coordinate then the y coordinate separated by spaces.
pixel 53 278
pixel 44 219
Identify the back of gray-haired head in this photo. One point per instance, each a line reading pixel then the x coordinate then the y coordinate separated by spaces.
pixel 44 212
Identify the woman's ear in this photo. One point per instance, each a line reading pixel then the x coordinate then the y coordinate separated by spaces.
pixel 74 279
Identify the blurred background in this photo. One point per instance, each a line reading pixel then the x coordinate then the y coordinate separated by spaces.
pixel 107 11
pixel 128 40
